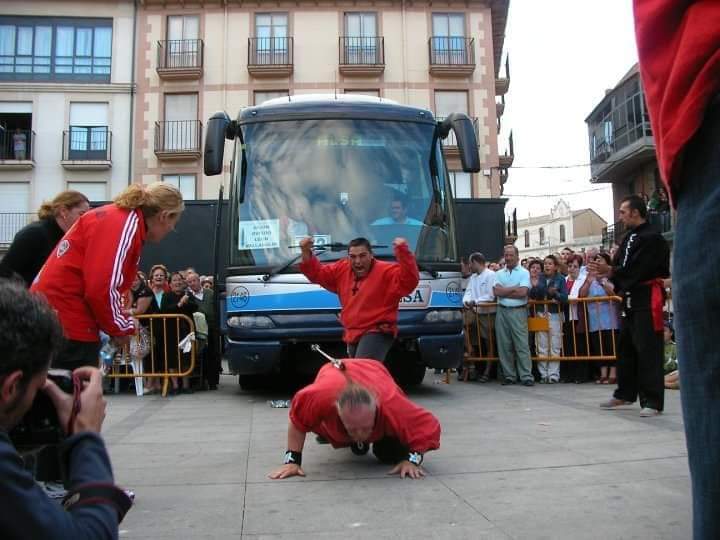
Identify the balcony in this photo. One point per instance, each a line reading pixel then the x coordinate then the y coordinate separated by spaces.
pixel 661 221
pixel 451 56
pixel 270 57
pixel 505 161
pixel 502 84
pixel 450 147
pixel 17 150
pixel 180 59
pixel 11 223
pixel 179 140
pixel 87 148
pixel 361 56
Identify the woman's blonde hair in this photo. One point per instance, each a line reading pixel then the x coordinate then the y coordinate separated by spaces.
pixel 66 199
pixel 151 198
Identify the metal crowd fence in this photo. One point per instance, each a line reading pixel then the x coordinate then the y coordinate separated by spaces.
pixel 164 358
pixel 581 332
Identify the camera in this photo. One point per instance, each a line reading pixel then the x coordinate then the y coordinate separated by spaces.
pixel 40 425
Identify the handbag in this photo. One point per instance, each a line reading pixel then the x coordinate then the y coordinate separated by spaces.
pixel 140 343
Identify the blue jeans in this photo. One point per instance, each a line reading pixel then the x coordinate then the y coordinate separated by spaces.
pixel 696 299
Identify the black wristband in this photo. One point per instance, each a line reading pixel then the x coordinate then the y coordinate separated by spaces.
pixel 293 457
pixel 416 458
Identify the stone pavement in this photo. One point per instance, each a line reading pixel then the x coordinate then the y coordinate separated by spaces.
pixel 515 462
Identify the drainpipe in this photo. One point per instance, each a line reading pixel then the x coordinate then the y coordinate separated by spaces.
pixel 132 94
pixel 404 53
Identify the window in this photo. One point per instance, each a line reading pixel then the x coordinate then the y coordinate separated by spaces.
pixel 542 236
pixel 43 48
pixel 14 199
pixel 16 136
pixel 183 47
pixel 94 191
pixel 88 133
pixel 182 128
pixel 461 183
pixel 527 238
pixel 262 97
pixel 271 38
pixel 448 39
pixel 447 102
pixel 562 233
pixel 184 182
pixel 360 45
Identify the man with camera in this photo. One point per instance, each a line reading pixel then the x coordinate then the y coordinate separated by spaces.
pixel 30 335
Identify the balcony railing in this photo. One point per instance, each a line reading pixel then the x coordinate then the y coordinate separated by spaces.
pixel 361 55
pixel 180 58
pixel 270 56
pixel 452 55
pixel 17 149
pixel 178 139
pixel 11 223
pixel 87 147
pixel 613 234
pixel 450 143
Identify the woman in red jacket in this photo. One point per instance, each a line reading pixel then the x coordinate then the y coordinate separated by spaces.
pixel 95 263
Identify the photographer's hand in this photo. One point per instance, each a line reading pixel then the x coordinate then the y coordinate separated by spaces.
pixel 92 404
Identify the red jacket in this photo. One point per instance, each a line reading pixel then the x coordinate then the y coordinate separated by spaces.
pixel 91 269
pixel 679 49
pixel 313 408
pixel 369 304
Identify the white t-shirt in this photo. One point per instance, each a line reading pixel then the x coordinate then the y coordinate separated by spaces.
pixel 480 287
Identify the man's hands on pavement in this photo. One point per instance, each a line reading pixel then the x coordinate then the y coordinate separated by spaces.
pixel 92 404
pixel 286 471
pixel 405 468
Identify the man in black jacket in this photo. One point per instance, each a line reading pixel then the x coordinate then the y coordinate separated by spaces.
pixel 639 266
pixel 29 335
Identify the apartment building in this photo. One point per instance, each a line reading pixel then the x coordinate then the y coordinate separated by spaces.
pixel 196 58
pixel 66 78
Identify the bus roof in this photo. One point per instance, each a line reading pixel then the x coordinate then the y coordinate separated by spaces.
pixel 330 106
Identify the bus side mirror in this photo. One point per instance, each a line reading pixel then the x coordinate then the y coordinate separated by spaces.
pixel 466 140
pixel 217 128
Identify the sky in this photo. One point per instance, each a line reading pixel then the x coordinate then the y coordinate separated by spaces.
pixel 564 54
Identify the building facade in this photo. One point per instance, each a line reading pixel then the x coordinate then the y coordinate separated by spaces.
pixel 562 227
pixel 197 58
pixel 66 101
pixel 622 153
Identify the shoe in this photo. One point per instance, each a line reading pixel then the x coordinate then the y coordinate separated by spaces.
pixel 187 391
pixel 507 382
pixel 484 378
pixel 614 403
pixel 647 412
pixel 553 381
pixel 528 382
pixel 321 440
pixel 212 387
pixel 612 380
pixel 360 449
pixel 130 494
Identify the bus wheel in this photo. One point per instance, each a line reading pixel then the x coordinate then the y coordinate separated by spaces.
pixel 404 367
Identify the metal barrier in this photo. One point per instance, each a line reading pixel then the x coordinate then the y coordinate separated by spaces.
pixel 122 367
pixel 480 324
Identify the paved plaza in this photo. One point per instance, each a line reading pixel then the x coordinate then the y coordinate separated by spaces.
pixel 514 462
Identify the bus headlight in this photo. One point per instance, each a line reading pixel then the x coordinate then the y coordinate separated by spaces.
pixel 250 321
pixel 443 315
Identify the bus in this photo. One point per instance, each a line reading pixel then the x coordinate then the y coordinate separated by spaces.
pixel 336 168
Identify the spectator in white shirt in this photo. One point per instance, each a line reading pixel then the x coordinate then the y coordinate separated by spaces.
pixel 481 329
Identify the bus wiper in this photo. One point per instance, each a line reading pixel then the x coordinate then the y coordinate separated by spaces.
pixel 319 250
pixel 433 273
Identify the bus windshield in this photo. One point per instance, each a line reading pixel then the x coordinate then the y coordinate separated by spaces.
pixel 336 180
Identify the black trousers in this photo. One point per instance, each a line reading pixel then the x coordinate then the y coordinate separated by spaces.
pixel 640 361
pixel 211 364
pixel 372 345
pixel 390 450
pixel 75 354
pixel 574 344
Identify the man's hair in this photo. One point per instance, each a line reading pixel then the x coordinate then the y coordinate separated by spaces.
pixel 355 242
pixel 567 249
pixel 30 333
pixel 402 199
pixel 513 247
pixel 354 395
pixel 635 202
pixel 477 257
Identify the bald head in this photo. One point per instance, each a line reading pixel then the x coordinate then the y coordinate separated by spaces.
pixel 357 408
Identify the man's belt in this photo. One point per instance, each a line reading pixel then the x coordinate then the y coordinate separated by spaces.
pixel 512 307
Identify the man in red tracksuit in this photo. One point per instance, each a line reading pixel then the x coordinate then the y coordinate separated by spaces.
pixel 354 404
pixel 679 50
pixel 369 291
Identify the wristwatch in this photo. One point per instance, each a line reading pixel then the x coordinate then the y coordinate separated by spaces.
pixel 416 458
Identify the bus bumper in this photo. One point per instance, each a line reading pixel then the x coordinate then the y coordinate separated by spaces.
pixel 441 351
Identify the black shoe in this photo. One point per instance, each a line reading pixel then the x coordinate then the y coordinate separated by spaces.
pixel 360 449
pixel 187 391
pixel 528 383
pixel 321 440
pixel 507 382
pixel 212 387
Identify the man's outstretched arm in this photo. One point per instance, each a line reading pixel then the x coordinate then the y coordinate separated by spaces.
pixel 293 456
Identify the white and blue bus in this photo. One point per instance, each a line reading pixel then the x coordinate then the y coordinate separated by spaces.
pixel 336 168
